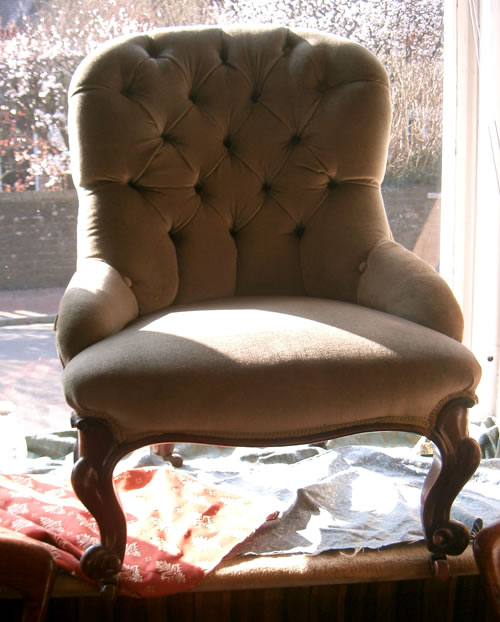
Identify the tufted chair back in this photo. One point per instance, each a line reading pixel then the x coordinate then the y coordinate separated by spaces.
pixel 214 163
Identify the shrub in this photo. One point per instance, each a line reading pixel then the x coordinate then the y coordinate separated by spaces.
pixel 39 55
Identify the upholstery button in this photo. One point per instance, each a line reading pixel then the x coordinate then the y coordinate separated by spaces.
pixel 322 86
pixel 150 48
pixel 255 96
pixel 227 142
pixel 232 232
pixel 169 138
pixel 192 97
pixel 290 43
pixel 299 230
pixel 198 188
pixel 266 187
pixel 332 184
pixel 295 139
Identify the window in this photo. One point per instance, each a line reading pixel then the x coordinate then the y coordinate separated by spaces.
pixel 34 160
pixel 470 258
pixel 38 204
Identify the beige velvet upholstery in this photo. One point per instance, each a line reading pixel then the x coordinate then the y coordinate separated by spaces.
pixel 268 370
pixel 221 165
pixel 237 281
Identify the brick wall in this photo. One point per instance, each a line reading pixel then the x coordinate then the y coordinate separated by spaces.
pixel 37 239
pixel 38 232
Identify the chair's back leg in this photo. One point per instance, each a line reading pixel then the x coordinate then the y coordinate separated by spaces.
pixel 167 452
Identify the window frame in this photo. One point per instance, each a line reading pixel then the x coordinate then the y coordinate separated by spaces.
pixel 470 219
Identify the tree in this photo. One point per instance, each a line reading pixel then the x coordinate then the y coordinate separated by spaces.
pixel 39 53
pixel 407 36
pixel 37 60
pixel 407 28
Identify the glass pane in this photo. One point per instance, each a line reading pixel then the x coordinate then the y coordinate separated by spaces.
pixel 407 36
pixel 38 54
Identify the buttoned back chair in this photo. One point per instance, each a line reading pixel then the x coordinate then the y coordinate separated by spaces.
pixel 237 282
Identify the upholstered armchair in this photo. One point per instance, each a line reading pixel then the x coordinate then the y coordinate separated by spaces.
pixel 237 282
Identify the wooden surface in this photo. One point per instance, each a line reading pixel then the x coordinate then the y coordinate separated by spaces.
pixel 389 585
pixel 28 569
pixel 487 554
pixel 402 562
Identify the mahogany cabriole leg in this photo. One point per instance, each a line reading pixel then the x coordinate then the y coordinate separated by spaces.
pixel 458 458
pixel 92 480
pixel 486 547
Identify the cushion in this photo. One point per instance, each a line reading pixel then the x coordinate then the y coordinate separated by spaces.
pixel 255 370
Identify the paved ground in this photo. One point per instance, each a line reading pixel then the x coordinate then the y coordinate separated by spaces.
pixel 29 366
pixel 29 306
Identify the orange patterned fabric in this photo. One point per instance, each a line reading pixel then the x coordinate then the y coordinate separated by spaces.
pixel 178 528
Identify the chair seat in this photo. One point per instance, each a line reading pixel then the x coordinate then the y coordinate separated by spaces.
pixel 303 368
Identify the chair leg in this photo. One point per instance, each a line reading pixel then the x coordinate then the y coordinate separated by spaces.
pixel 486 549
pixel 167 452
pixel 454 464
pixel 92 480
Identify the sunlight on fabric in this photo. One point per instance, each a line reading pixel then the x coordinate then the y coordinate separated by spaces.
pixel 318 522
pixel 271 333
pixel 372 493
pixel 411 496
pixel 225 321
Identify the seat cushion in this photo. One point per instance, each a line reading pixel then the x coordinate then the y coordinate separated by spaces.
pixel 266 370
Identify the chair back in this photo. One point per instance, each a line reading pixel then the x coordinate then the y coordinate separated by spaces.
pixel 224 162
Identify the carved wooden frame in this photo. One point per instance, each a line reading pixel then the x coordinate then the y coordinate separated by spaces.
pixel 99 452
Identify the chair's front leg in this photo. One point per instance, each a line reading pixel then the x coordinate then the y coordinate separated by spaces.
pixel 458 458
pixel 92 480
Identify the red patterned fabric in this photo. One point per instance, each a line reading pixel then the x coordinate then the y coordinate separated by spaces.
pixel 178 528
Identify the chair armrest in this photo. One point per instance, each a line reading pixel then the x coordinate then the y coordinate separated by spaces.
pixel 98 302
pixel 396 281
